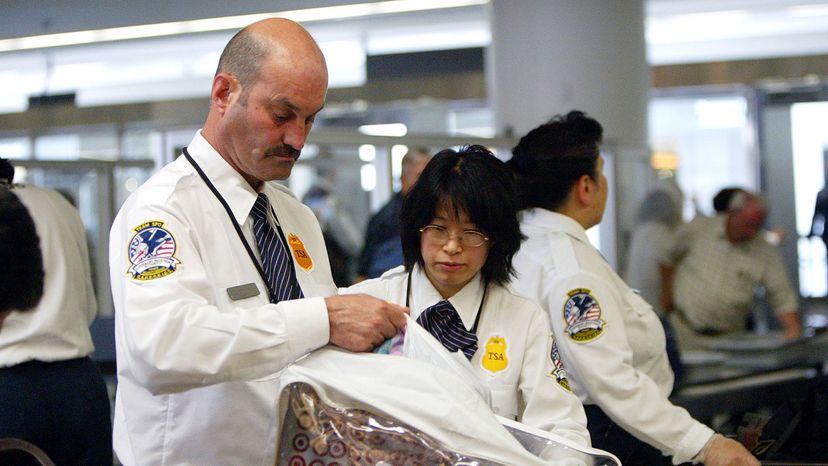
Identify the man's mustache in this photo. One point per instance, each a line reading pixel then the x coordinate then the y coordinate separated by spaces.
pixel 284 150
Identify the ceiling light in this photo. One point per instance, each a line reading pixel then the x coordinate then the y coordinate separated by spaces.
pixel 386 129
pixel 226 23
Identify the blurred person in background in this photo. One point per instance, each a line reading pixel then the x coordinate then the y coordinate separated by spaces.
pixel 51 392
pixel 819 223
pixel 722 200
pixel 711 270
pixel 658 217
pixel 659 214
pixel 21 263
pixel 342 238
pixel 382 249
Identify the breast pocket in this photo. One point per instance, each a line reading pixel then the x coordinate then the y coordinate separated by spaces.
pixel 505 401
pixel 645 333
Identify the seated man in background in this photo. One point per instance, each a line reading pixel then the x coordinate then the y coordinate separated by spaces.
pixel 711 269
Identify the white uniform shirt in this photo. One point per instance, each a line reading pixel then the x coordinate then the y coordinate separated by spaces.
pixel 527 387
pixel 615 351
pixel 197 369
pixel 58 328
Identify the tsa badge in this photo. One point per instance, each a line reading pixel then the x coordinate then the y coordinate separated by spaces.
pixel 496 358
pixel 152 252
pixel 582 315
pixel 559 373
pixel 299 252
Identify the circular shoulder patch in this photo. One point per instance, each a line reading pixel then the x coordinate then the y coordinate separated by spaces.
pixel 152 251
pixel 582 315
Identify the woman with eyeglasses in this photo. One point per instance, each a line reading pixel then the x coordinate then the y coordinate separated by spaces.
pixel 459 232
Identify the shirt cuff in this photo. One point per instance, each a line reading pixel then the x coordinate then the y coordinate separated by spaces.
pixel 307 324
pixel 693 444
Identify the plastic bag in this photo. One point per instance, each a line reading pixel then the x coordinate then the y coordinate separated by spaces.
pixel 338 407
pixel 422 346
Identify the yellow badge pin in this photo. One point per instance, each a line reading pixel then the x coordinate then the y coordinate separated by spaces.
pixel 300 253
pixel 496 358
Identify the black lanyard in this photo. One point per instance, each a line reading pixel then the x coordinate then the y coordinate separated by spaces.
pixel 479 309
pixel 235 223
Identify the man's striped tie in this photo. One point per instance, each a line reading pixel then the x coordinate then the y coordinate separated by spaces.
pixel 276 261
pixel 443 322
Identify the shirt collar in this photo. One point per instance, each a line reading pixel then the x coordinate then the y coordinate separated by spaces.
pixel 465 301
pixel 235 190
pixel 546 219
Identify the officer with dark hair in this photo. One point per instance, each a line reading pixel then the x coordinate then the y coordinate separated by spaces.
pixel 21 264
pixel 610 339
pixel 51 392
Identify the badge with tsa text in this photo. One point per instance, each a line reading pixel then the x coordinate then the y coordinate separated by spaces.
pixel 152 252
pixel 558 373
pixel 496 358
pixel 582 315
pixel 300 253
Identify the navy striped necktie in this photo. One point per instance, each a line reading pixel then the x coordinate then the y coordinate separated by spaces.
pixel 276 261
pixel 443 322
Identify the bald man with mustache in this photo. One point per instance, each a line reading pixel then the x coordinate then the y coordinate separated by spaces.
pixel 220 278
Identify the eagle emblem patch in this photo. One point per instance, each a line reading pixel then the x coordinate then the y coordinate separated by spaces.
pixel 582 315
pixel 152 252
pixel 559 373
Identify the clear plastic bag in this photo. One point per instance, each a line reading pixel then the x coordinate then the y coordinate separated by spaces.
pixel 557 450
pixel 337 408
pixel 422 346
pixel 316 433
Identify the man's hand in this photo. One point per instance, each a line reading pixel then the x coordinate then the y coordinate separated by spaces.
pixel 666 297
pixel 361 322
pixel 723 451
pixel 792 325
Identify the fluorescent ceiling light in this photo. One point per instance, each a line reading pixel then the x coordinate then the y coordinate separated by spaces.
pixel 387 129
pixel 230 22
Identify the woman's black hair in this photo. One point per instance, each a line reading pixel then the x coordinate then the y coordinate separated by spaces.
pixel 474 181
pixel 21 262
pixel 553 157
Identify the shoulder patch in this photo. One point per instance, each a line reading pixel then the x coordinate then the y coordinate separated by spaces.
pixel 558 373
pixel 152 252
pixel 582 315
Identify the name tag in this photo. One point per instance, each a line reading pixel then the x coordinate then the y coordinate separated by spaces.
pixel 242 291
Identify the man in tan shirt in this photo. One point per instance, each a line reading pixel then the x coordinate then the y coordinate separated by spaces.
pixel 711 269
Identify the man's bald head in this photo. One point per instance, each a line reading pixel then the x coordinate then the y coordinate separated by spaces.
pixel 746 214
pixel 248 50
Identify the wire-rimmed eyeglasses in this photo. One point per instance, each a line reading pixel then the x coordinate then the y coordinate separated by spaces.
pixel 439 235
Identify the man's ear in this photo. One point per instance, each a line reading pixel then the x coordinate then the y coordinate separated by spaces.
pixel 583 190
pixel 225 88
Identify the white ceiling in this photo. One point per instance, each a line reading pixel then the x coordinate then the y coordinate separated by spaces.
pixel 678 31
pixel 693 31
